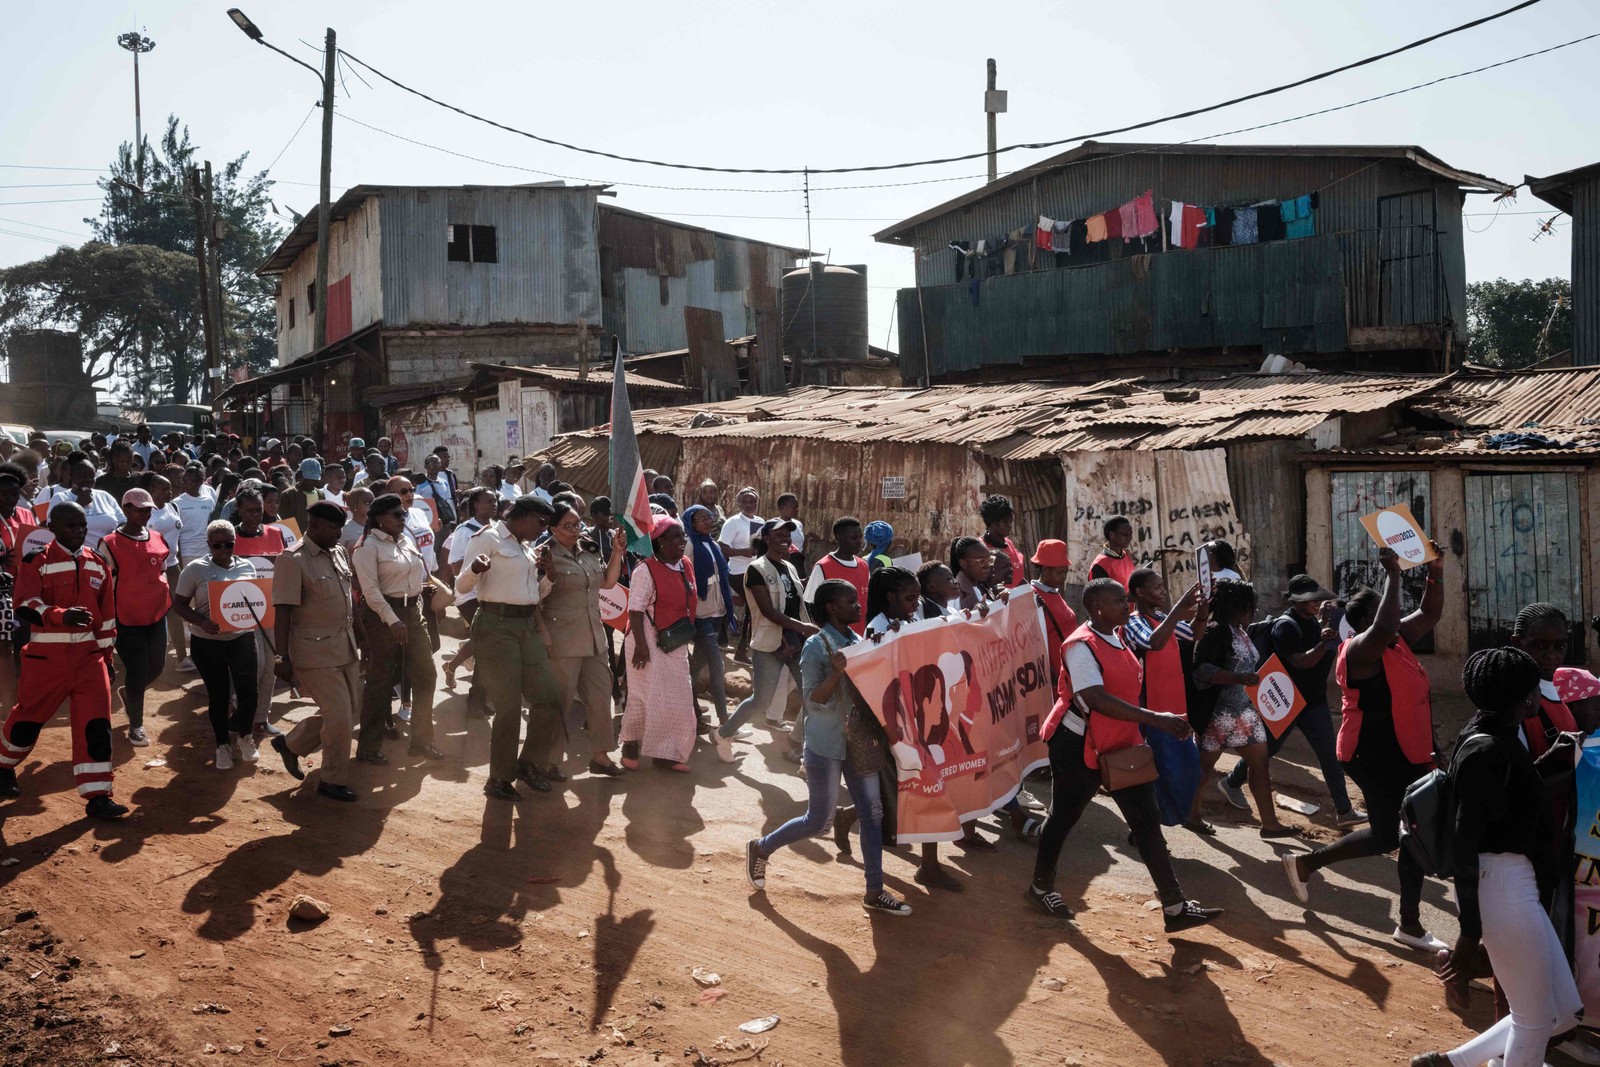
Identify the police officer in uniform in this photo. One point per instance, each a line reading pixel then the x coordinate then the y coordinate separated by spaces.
pixel 315 636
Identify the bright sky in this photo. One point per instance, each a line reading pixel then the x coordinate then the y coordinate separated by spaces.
pixel 734 83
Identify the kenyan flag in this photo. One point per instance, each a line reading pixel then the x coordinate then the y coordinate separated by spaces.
pixel 629 494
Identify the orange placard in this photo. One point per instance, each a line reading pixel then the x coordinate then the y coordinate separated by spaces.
pixel 614 607
pixel 433 512
pixel 241 604
pixel 290 525
pixel 1275 697
pixel 42 511
pixel 1398 529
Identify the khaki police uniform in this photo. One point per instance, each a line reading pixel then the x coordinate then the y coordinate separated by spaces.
pixel 317 583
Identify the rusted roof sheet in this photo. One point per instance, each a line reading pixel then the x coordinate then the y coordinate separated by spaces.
pixel 1545 400
pixel 570 376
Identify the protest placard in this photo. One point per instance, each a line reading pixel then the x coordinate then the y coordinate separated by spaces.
pixel 1275 697
pixel 242 604
pixel 1396 528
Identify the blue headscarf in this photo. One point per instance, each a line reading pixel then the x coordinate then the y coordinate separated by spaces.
pixel 879 535
pixel 708 559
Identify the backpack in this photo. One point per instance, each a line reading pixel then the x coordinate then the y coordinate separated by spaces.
pixel 1261 636
pixel 1428 815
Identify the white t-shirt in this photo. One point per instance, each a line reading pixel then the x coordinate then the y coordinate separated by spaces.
pixel 736 533
pixel 195 511
pixel 1084 671
pixel 457 549
pixel 104 514
pixel 169 524
pixel 509 491
pixel 143 451
pixel 419 524
pixel 815 579
pixel 334 498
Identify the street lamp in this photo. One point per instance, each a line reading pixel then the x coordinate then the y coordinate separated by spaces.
pixel 325 76
pixel 137 43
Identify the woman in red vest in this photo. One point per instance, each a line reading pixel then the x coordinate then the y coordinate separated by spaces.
pixel 1116 561
pixel 1385 735
pixel 1541 631
pixel 137 558
pixel 660 719
pixel 843 564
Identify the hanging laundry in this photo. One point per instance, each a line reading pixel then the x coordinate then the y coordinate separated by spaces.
pixel 1269 221
pixel 1097 228
pixel 973 288
pixel 1244 226
pixel 1221 225
pixel 1297 219
pixel 1113 224
pixel 1175 224
pixel 1128 220
pixel 1144 215
pixel 962 249
pixel 1013 246
pixel 1061 235
pixel 1041 236
pixel 1193 219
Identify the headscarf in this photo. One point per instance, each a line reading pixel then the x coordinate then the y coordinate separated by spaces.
pixel 708 557
pixel 879 535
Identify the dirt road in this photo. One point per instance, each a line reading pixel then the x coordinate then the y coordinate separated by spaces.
pixel 564 928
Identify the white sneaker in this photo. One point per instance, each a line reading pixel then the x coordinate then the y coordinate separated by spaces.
pixel 405 713
pixel 137 737
pixel 186 665
pixel 247 749
pixel 224 757
pixel 1576 1050
pixel 1300 886
pixel 725 751
pixel 743 733
pixel 1426 943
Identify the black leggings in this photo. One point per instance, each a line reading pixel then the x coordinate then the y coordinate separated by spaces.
pixel 225 664
pixel 1383 780
pixel 1074 786
pixel 144 651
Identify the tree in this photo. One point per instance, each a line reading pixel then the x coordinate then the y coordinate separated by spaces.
pixel 132 304
pixel 163 215
pixel 1506 320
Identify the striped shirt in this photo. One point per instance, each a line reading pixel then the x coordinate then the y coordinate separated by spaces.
pixel 1140 627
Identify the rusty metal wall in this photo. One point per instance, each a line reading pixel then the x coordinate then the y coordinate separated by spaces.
pixel 546 241
pixel 1586 272
pixel 1524 545
pixel 1269 497
pixel 417 429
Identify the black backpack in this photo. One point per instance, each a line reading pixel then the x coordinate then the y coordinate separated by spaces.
pixel 1428 815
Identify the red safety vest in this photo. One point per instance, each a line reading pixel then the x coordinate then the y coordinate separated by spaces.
pixel 139 577
pixel 1409 697
pixel 833 568
pixel 1120 569
pixel 675 597
pixel 1533 729
pixel 1122 678
pixel 1163 677
pixel 1059 621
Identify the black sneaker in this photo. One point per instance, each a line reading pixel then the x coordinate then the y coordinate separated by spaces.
pixel 1431 1059
pixel 8 783
pixel 291 762
pixel 1049 902
pixel 533 778
pixel 755 866
pixel 101 806
pixel 500 790
pixel 885 903
pixel 1192 914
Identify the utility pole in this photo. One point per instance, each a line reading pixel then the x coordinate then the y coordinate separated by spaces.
pixel 201 228
pixel 137 43
pixel 214 260
pixel 330 54
pixel 994 103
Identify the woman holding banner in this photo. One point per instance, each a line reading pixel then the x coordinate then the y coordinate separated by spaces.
pixel 1225 662
pixel 225 659
pixel 833 749
pixel 1385 735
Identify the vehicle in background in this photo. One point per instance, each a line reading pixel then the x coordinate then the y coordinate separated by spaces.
pixel 71 437
pixel 17 432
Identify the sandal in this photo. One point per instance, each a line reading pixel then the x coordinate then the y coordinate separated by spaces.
pixel 1029 830
pixel 1203 828
pixel 1270 832
pixel 982 844
pixel 450 676
pixel 681 768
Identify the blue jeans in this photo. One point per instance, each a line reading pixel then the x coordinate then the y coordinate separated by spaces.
pixel 766 671
pixel 708 650
pixel 822 778
pixel 1316 722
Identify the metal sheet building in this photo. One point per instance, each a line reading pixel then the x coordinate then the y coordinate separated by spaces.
pixel 1384 271
pixel 1577 192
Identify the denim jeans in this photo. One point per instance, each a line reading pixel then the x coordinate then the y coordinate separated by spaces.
pixel 766 671
pixel 1316 722
pixel 708 651
pixel 822 778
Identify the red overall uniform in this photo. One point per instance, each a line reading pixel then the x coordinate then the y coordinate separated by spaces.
pixel 62 662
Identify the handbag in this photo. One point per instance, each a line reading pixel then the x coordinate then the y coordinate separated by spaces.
pixel 1124 768
pixel 681 632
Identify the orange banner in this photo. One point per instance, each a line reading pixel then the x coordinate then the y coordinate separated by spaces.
pixel 241 604
pixel 1275 696
pixel 961 701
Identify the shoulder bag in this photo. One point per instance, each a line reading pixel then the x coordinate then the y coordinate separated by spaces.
pixel 681 632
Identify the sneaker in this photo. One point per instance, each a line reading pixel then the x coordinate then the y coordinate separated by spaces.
pixel 8 782
pixel 1578 1052
pixel 266 729
pixel 885 903
pixel 1189 914
pixel 725 751
pixel 224 757
pixel 405 713
pixel 755 866
pixel 1049 902
pixel 1426 943
pixel 247 749
pixel 743 733
pixel 1300 886
pixel 1233 794
pixel 1353 817
pixel 186 665
pixel 137 737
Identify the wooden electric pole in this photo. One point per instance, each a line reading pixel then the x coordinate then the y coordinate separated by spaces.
pixel 330 54
pixel 202 227
pixel 994 103
pixel 214 259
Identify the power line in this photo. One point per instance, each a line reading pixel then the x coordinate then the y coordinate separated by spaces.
pixel 958 158
pixel 55 229
pixel 54 185
pixel 80 200
pixel 292 137
pixel 27 166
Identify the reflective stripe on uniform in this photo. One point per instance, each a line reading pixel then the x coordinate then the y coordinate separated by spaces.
pixel 91 768
pixel 81 637
pixel 59 568
pixel 89 789
pixel 8 749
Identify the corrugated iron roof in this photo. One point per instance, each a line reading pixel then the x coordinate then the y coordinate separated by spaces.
pixel 569 376
pixel 1548 399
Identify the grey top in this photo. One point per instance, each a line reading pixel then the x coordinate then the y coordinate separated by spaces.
pixel 195 581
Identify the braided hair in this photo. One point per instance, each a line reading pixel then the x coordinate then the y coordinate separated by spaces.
pixel 1229 598
pixel 958 550
pixel 829 592
pixel 885 583
pixel 1497 679
pixel 1534 616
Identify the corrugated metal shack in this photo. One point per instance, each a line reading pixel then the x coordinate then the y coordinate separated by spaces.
pixel 1577 192
pixel 880 368
pixel 1515 520
pixel 1383 271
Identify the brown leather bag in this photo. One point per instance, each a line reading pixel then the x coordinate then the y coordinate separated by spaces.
pixel 1127 767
